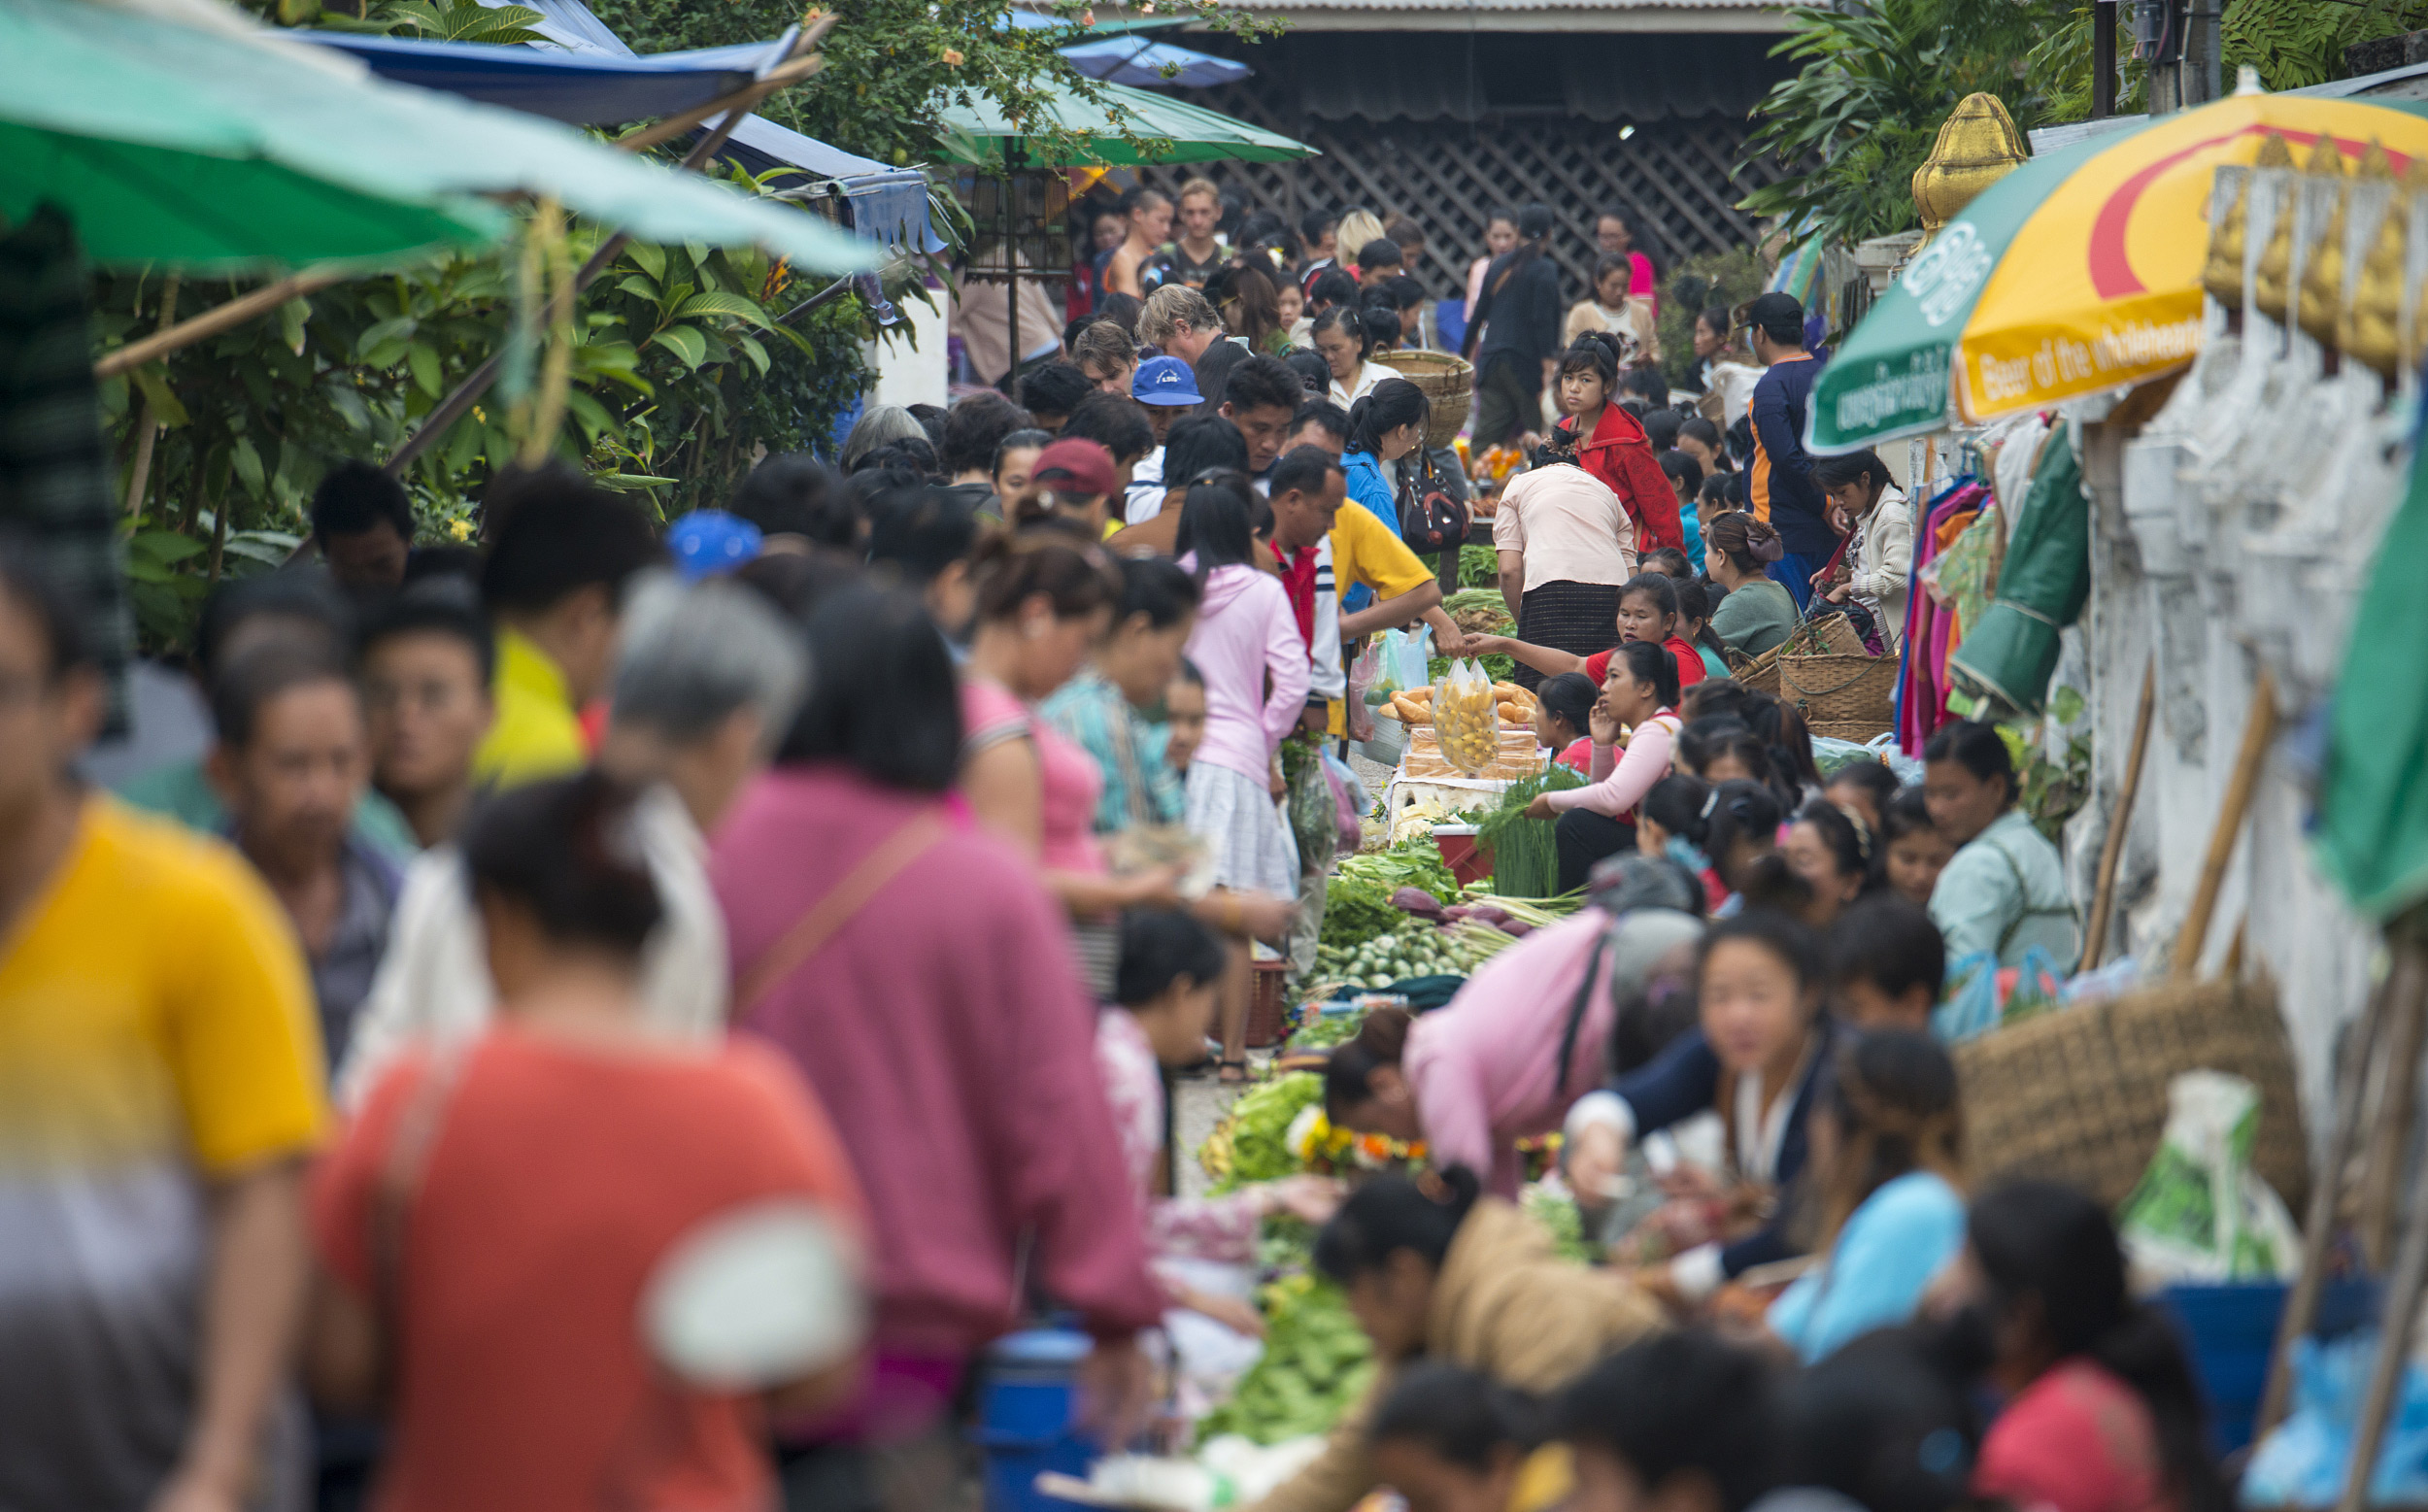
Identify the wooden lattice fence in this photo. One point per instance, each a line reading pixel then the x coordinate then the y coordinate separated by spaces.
pixel 1680 176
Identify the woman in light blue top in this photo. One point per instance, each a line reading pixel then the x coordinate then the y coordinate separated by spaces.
pixel 1885 1154
pixel 2005 890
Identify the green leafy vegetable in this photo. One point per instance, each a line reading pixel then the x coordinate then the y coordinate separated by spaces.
pixel 1411 863
pixel 1357 909
pixel 1525 852
pixel 1316 1362
pixel 1253 1143
pixel 1557 1211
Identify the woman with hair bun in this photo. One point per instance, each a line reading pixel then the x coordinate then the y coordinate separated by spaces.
pixel 1609 442
pixel 1386 425
pixel 1759 613
pixel 1887 1135
pixel 1341 339
pixel 1434 1271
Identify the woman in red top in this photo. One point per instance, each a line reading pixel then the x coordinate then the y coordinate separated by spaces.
pixel 491 1226
pixel 1647 612
pixel 1611 445
pixel 2102 1414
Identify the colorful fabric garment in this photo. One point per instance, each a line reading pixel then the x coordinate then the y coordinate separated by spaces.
pixel 1221 1228
pixel 537 732
pixel 1921 703
pixel 155 1033
pixel 1140 788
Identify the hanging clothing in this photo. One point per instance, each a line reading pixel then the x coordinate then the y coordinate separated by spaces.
pixel 1922 686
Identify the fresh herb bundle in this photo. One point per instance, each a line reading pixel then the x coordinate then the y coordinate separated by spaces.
pixel 1525 852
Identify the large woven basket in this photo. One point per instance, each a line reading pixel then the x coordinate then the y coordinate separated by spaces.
pixel 1759 673
pixel 1860 732
pixel 1830 677
pixel 1448 383
pixel 2079 1094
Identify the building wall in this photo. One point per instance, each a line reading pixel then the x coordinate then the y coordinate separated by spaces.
pixel 1448 129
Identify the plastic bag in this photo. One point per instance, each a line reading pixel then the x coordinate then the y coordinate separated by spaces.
pixel 1407 656
pixel 1350 794
pixel 1466 721
pixel 2200 1212
pixel 1365 671
pixel 2303 1460
pixel 1982 995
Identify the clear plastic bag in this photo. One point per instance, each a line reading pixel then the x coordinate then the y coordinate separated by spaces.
pixel 1466 721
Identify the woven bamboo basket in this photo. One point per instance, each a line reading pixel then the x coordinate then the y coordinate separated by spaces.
pixel 1448 384
pixel 1759 673
pixel 2079 1094
pixel 1861 732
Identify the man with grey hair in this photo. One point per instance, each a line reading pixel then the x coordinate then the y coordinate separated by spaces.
pixel 706 681
pixel 1179 322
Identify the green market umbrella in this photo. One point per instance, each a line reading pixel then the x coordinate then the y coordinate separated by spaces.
pixel 2077 273
pixel 2042 584
pixel 222 146
pixel 2373 803
pixel 976 132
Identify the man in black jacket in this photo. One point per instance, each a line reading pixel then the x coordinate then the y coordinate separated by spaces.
pixel 1519 319
pixel 1779 485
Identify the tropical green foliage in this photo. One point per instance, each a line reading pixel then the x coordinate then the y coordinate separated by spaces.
pixel 1724 277
pixel 681 373
pixel 464 21
pixel 2294 42
pixel 890 64
pixel 1877 78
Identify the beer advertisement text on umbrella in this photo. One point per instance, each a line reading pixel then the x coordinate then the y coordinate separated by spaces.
pixel 2078 272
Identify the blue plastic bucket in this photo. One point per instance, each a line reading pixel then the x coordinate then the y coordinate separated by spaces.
pixel 2231 1332
pixel 1027 1412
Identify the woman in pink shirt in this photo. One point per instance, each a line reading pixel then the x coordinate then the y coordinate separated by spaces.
pixel 1044 601
pixel 918 973
pixel 1638 693
pixel 1498 1062
pixel 1248 649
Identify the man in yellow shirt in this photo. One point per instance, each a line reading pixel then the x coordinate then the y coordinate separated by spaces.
pixel 161 1087
pixel 554 580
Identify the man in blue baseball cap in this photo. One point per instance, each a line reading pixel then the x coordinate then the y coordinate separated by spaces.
pixel 1168 388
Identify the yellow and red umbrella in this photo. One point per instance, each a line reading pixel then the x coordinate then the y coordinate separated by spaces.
pixel 2078 272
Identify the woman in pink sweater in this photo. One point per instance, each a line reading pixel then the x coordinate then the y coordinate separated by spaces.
pixel 1498 1063
pixel 934 1007
pixel 1638 693
pixel 1248 649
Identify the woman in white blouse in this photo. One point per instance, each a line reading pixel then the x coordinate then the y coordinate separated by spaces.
pixel 1347 350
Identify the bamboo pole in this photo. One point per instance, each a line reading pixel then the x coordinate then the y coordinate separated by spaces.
pixel 476 383
pixel 743 99
pixel 2401 1316
pixel 236 312
pixel 2319 1226
pixel 147 426
pixel 2111 849
pixel 2257 733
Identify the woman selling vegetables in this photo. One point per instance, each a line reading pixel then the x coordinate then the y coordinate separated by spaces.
pixel 1639 694
pixel 1647 612
pixel 1523 1039
pixel 1431 1270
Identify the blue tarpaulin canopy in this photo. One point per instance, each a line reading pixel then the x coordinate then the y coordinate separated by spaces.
pixel 1129 56
pixel 586 75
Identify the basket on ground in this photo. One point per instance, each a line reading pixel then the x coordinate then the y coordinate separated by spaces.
pixel 1448 384
pixel 2079 1094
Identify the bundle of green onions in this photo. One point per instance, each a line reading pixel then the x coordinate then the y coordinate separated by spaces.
pixel 1525 855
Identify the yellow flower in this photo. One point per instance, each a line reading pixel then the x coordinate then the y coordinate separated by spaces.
pixel 459 530
pixel 952 57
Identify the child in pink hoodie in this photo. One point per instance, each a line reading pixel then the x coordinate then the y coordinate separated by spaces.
pixel 1248 649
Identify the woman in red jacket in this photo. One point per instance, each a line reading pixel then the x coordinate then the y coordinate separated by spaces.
pixel 1610 444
